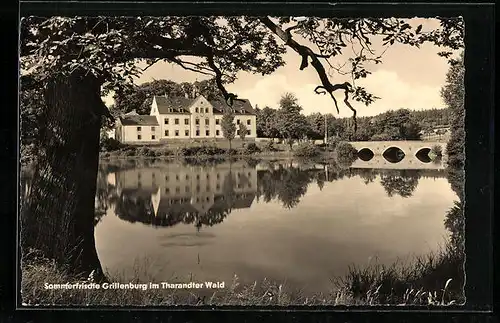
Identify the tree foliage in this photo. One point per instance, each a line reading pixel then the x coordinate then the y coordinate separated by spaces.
pixel 140 97
pixel 242 130
pixel 228 127
pixel 292 124
pixel 453 93
pixel 267 123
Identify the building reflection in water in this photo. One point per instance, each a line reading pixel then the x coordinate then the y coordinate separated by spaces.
pixel 175 193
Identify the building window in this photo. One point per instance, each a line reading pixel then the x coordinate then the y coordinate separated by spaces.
pixel 166 178
pixel 177 177
pixel 237 121
pixel 197 132
pixel 248 132
pixel 177 133
pixel 139 137
pixel 187 189
pixel 196 110
pixel 217 132
pixel 186 121
pixel 238 131
pixel 166 121
pixel 153 137
pixel 207 132
pixel 167 190
pixel 166 133
pixel 206 110
pixel 187 176
pixel 138 128
pixel 152 128
pixel 217 121
pixel 207 122
pixel 218 186
pixel 197 121
pixel 186 133
pixel 248 122
pixel 176 121
pixel 177 189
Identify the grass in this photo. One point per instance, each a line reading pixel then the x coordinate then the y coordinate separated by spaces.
pixel 436 280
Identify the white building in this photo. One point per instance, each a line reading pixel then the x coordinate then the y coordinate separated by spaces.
pixel 180 118
pixel 134 128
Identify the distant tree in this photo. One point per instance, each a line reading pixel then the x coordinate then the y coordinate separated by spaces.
pixel 292 124
pixel 227 125
pixel 243 131
pixel 316 126
pixel 140 97
pixel 267 123
pixel 453 93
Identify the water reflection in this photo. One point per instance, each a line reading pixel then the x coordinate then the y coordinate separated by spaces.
pixel 165 195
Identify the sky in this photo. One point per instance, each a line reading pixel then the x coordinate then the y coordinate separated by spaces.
pixel 408 78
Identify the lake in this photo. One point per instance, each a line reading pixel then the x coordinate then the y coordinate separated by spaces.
pixel 300 223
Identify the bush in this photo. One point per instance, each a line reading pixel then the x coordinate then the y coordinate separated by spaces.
pixel 145 152
pixel 346 152
pixel 332 143
pixel 110 144
pixel 252 148
pixel 270 146
pixel 306 149
pixel 201 151
pixel 130 152
pixel 437 151
pixel 163 152
pixel 380 137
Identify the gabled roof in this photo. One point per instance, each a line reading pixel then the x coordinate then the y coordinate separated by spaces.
pixel 240 106
pixel 138 120
pixel 177 104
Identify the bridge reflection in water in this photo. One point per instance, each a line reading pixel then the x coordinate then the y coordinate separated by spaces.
pixel 408 162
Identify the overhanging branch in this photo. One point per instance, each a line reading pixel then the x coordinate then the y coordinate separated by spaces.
pixel 306 53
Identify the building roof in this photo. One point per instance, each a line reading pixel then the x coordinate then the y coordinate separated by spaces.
pixel 181 105
pixel 177 104
pixel 139 120
pixel 240 106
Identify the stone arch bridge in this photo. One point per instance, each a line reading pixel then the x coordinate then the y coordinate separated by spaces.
pixel 409 148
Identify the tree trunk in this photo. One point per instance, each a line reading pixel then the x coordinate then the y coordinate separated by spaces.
pixel 57 217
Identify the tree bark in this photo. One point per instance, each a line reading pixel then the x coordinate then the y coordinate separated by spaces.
pixel 57 217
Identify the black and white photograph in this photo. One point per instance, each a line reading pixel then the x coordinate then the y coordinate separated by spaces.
pixel 241 160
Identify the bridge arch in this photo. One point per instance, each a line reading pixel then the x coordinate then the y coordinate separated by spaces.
pixel 393 154
pixel 422 154
pixel 365 154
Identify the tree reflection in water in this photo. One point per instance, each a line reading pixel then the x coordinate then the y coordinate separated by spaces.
pixel 400 182
pixel 232 186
